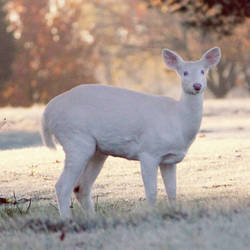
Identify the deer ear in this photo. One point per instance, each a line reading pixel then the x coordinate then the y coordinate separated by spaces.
pixel 211 57
pixel 172 60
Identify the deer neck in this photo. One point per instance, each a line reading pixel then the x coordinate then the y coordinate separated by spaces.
pixel 191 109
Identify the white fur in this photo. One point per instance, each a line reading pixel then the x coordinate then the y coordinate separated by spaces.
pixel 94 121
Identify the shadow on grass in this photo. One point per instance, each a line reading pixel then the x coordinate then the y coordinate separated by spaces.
pixel 19 139
pixel 192 211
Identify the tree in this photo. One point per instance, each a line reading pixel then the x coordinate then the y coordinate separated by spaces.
pixel 65 43
pixel 51 55
pixel 232 71
pixel 130 42
pixel 7 47
pixel 214 22
pixel 220 16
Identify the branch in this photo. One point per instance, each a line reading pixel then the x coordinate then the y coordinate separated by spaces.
pixel 16 202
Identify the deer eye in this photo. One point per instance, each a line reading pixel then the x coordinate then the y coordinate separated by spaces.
pixel 202 72
pixel 185 73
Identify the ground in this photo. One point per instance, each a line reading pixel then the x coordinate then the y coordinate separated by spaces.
pixel 212 211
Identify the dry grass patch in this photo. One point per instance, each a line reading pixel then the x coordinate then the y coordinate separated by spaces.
pixel 212 212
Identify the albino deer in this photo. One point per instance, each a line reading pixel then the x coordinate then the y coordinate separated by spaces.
pixel 94 121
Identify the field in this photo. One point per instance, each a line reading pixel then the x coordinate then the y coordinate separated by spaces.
pixel 212 211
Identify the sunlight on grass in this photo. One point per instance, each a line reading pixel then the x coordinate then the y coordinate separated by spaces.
pixel 212 211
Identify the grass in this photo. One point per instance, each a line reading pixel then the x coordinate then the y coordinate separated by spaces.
pixel 212 211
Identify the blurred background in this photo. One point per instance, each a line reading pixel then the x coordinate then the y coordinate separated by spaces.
pixel 49 46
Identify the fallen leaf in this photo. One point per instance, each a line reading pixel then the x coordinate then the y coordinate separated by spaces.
pixel 202 135
pixel 63 234
pixel 32 172
pixel 218 186
pixel 5 201
pixel 223 185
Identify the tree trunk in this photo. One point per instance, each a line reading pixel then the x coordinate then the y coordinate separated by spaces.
pixel 225 80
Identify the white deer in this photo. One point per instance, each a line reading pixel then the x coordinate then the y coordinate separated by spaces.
pixel 94 121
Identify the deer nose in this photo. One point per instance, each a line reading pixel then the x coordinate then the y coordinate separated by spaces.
pixel 197 86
